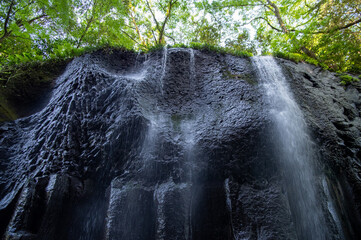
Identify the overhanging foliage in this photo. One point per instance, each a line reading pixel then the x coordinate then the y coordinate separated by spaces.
pixel 327 31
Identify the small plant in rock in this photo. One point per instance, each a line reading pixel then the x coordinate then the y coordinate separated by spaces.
pixel 348 79
pixel 154 48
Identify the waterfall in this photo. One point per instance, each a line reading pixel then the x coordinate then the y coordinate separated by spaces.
pixel 178 144
pixel 294 150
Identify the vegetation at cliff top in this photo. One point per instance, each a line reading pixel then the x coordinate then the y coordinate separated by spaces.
pixel 323 32
pixel 38 35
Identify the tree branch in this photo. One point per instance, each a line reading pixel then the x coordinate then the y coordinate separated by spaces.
pixel 347 25
pixel 153 34
pixel 125 25
pixel 338 28
pixel 27 6
pixel 174 41
pixel 20 22
pixel 135 24
pixel 276 11
pixel 268 23
pixel 284 29
pixel 85 31
pixel 235 5
pixel 170 5
pixel 316 6
pixel 6 33
pixel 309 53
pixel 129 36
pixel 37 18
pixel 154 18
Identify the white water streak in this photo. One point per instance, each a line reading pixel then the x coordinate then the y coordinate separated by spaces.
pixel 295 153
pixel 164 67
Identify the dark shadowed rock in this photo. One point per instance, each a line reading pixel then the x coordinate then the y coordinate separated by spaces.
pixel 174 144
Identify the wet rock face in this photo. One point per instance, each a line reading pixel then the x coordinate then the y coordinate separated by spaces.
pixel 170 145
pixel 333 114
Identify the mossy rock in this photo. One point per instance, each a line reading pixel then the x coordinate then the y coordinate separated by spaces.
pixel 23 85
pixel 7 113
pixel 177 120
pixel 246 77
pixel 348 79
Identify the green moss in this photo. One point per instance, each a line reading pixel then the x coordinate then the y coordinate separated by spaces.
pixel 177 120
pixel 154 48
pixel 296 57
pixel 180 45
pixel 22 85
pixel 348 79
pixel 250 79
pixel 226 73
pixel 7 113
pixel 213 48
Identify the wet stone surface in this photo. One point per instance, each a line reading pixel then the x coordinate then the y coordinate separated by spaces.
pixel 174 144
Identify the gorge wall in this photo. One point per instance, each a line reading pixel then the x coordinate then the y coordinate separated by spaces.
pixel 175 144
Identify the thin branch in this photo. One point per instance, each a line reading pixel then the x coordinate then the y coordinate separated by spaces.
pixel 153 34
pixel 309 53
pixel 347 25
pixel 199 26
pixel 316 6
pixel 27 6
pixel 170 5
pixel 305 23
pixel 20 22
pixel 85 31
pixel 162 6
pixel 338 28
pixel 37 18
pixel 174 41
pixel 129 36
pixel 284 29
pixel 149 27
pixel 15 36
pixel 136 25
pixel 154 18
pixel 268 23
pixel 276 11
pixel 7 20
pixel 125 25
pixel 235 5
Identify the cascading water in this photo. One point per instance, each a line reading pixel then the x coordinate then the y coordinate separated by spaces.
pixel 168 145
pixel 294 150
pixel 164 160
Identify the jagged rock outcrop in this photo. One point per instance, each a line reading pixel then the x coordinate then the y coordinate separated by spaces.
pixel 169 145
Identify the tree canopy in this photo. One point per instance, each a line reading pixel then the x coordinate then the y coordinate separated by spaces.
pixel 326 32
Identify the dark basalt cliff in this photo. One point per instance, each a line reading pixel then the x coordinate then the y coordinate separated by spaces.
pixel 174 144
